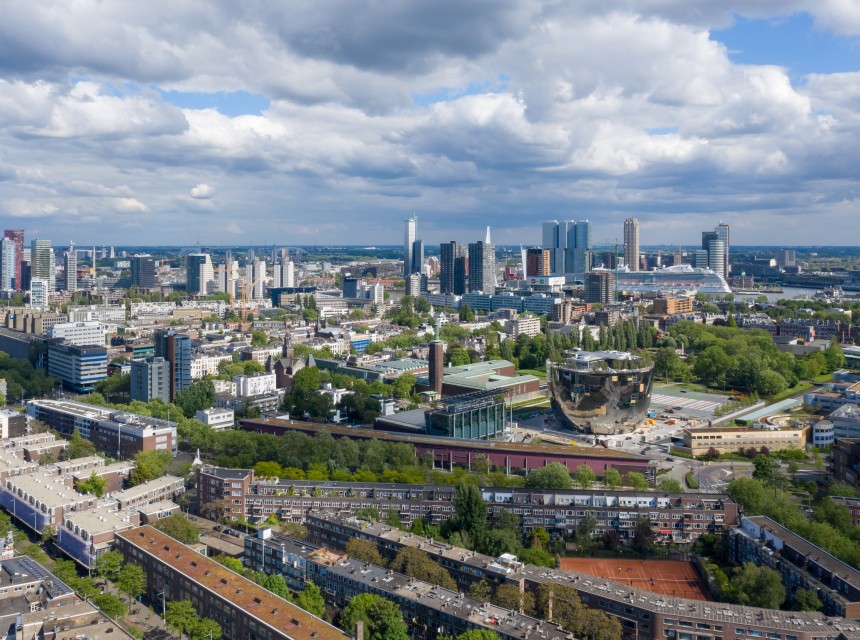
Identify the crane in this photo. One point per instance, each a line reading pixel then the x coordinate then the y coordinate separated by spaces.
pixel 245 293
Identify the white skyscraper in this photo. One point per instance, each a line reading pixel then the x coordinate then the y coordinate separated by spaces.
pixel 200 274
pixel 71 268
pixel 42 263
pixel 7 264
pixel 722 231
pixel 283 274
pixel 227 277
pixel 39 292
pixel 255 279
pixel 408 239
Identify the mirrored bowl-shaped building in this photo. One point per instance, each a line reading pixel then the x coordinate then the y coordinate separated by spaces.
pixel 601 392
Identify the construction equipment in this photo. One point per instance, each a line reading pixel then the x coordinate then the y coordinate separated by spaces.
pixel 244 295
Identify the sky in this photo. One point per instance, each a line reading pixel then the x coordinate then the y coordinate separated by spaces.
pixel 329 121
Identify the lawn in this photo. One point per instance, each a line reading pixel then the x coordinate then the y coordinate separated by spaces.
pixel 537 373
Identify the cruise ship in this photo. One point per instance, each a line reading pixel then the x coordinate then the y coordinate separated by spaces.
pixel 601 392
pixel 678 279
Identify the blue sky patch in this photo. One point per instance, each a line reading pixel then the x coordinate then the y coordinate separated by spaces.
pixel 229 103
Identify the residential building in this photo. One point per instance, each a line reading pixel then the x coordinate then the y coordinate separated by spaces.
pixel 538 262
pixel 255 279
pixel 176 349
pixel 7 264
pixel 40 292
pixel 216 418
pixel 71 268
pixel 409 238
pixel 786 258
pixel 150 379
pixel 79 368
pixel 453 268
pixel 255 384
pixel 416 284
pixel 800 564
pixel 643 615
pixel 29 591
pixel 118 433
pixel 79 333
pixel 418 256
pixel 143 272
pixel 482 267
pixel 17 238
pixel 845 456
pixel 733 439
pixel 12 424
pixel 342 578
pixel 157 490
pixel 283 274
pixel 200 275
pixel 600 286
pixel 522 325
pixel 203 365
pixel 42 265
pixel 37 500
pixel 631 244
pixel 671 305
pixel 852 505
pixel 243 609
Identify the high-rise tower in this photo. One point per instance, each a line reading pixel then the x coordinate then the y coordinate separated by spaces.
pixel 631 244
pixel 408 239
pixel 17 237
pixel 482 267
pixel 452 268
pixel 71 268
pixel 42 262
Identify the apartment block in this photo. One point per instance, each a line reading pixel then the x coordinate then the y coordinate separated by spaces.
pixel 670 306
pixel 426 605
pixel 79 368
pixel 207 365
pixel 116 432
pixel 733 439
pixel 255 385
pixel 245 610
pixel 643 615
pixel 800 564
pixel 80 333
pixel 216 418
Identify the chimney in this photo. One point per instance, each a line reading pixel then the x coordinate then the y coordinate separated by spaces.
pixel 359 630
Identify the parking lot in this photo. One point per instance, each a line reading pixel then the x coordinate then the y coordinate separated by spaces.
pixel 689 404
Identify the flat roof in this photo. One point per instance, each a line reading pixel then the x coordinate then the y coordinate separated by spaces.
pixel 602 588
pixel 413 419
pixel 101 519
pixel 491 445
pixel 125 419
pixel 142 489
pixel 277 613
pixel 48 490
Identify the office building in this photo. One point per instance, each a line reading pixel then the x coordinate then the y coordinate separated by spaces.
pixel 600 286
pixel 8 264
pixel 283 274
pixel 40 292
pixel 17 238
pixel 786 258
pixel 452 268
pixel 418 256
pixel 150 379
pixel 670 305
pixel 42 262
pixel 216 418
pixel 845 454
pixel 79 334
pixel 538 262
pixel 176 349
pixel 482 267
pixel 255 279
pixel 106 428
pixel 631 244
pixel 569 243
pixel 341 578
pixel 71 268
pixel 409 238
pixel 143 272
pixel 350 287
pixel 79 368
pixel 243 609
pixel 200 280
pixel 730 439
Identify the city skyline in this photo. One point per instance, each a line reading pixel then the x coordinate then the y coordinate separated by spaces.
pixel 506 115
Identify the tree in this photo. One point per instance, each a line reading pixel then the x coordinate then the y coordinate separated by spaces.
pixel 807 600
pixel 311 600
pixel 131 581
pixel 78 447
pixel 636 480
pixel 757 586
pixel 276 584
pixel 643 535
pixel 764 468
pixel 108 564
pixel 382 618
pixel 552 476
pixel 364 551
pixel 295 530
pixel 509 596
pixel 199 395
pixel 417 564
pixel 95 485
pixel 479 634
pixel 465 314
pixel 307 379
pixel 404 385
pixel 234 564
pixel 149 465
pixel 669 485
pixel 181 616
pixel 470 510
pixel 458 357
pixel 612 478
pixel 110 605
pixel 584 476
pixel 480 591
pixel 180 528
pixel 206 629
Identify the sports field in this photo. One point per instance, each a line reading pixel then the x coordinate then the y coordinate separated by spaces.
pixel 666 577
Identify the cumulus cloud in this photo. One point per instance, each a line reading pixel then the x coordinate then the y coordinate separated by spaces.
pixel 202 192
pixel 469 114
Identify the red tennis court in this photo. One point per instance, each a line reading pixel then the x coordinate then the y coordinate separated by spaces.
pixel 666 577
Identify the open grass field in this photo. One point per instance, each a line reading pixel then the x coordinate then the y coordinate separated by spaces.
pixel 666 577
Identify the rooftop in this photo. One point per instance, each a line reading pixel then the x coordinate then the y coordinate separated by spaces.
pixel 102 415
pixel 100 520
pixel 162 483
pixel 277 613
pixel 48 490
